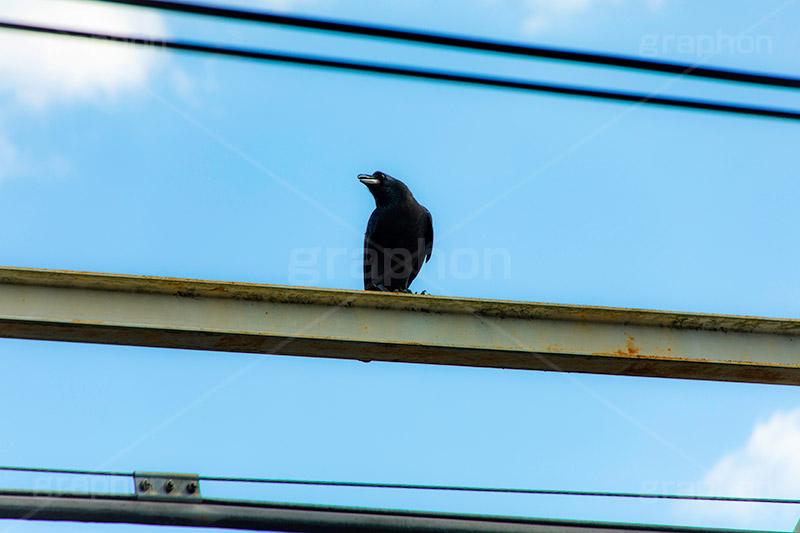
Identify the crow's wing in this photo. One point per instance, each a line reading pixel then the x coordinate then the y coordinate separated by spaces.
pixel 423 254
pixel 428 236
pixel 370 249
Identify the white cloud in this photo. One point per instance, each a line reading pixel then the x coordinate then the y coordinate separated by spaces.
pixel 544 14
pixel 41 70
pixel 767 466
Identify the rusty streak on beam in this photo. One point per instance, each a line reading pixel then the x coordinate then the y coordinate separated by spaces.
pixel 369 326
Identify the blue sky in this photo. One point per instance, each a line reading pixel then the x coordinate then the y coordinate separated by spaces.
pixel 145 162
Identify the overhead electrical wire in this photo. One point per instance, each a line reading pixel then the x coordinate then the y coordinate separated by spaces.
pixel 454 41
pixel 62 471
pixel 436 75
pixel 441 488
pixel 548 492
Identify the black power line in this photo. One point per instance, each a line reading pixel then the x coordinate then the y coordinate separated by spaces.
pixel 31 469
pixel 357 484
pixel 547 492
pixel 292 517
pixel 436 75
pixel 454 41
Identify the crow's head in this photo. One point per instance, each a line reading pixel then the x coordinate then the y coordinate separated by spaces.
pixel 385 188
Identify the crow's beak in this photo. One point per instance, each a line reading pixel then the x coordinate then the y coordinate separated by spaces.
pixel 368 179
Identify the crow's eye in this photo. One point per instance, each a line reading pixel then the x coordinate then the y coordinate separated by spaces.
pixel 379 175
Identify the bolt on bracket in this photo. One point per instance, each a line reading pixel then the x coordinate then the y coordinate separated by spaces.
pixel 163 486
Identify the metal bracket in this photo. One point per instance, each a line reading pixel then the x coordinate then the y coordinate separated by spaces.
pixel 163 486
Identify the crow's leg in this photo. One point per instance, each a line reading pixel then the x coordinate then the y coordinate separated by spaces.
pixel 372 286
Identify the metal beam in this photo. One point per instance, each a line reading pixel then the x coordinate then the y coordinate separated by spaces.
pixel 371 326
pixel 258 516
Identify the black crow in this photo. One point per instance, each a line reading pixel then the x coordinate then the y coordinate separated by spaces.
pixel 399 235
